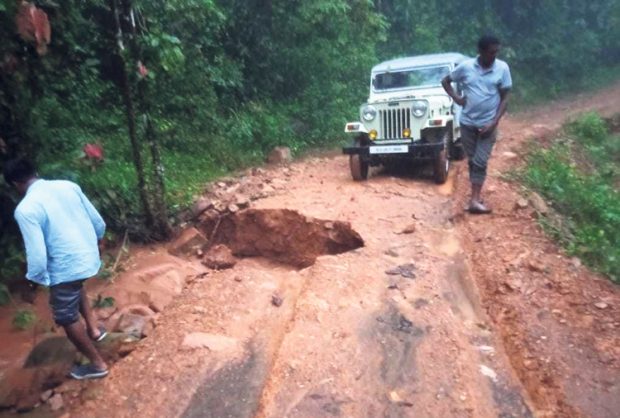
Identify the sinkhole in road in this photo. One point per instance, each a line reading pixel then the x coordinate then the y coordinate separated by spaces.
pixel 282 235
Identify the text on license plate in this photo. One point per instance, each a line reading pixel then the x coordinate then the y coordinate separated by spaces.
pixel 388 149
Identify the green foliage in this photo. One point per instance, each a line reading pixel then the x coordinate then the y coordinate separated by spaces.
pixel 5 296
pixel 590 127
pixel 24 319
pixel 102 302
pixel 575 180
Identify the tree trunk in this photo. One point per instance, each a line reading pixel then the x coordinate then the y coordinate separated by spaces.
pixel 131 124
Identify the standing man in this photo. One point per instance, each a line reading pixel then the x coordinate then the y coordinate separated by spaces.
pixel 61 229
pixel 485 81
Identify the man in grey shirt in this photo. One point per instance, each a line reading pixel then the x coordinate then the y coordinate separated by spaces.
pixel 485 81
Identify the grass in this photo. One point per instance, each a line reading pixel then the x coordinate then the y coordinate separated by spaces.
pixel 579 175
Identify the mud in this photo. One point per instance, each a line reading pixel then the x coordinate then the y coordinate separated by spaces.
pixel 285 236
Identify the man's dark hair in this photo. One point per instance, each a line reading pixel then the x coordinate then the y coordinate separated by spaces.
pixel 18 170
pixel 486 41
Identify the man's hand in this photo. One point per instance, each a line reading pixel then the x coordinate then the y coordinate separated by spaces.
pixel 446 83
pixel 487 128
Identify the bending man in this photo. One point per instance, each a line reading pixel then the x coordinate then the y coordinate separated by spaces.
pixel 61 229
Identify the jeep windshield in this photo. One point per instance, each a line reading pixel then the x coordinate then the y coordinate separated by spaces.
pixel 411 78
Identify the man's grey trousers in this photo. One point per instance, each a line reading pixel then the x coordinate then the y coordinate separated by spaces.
pixel 478 150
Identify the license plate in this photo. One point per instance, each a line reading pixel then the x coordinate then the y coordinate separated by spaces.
pixel 389 149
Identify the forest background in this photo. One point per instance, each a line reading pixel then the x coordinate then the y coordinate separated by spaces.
pixel 178 92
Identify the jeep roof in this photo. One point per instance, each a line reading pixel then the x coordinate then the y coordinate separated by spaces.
pixel 419 60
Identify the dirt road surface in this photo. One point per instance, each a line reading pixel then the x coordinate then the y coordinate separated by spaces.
pixel 439 314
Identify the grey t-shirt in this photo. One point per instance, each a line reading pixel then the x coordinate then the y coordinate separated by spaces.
pixel 481 87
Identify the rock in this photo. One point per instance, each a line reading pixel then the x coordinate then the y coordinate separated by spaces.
pixel 56 402
pixel 242 201
pixel 219 257
pixel 410 229
pixel 539 204
pixel 69 386
pixel 601 305
pixel 280 155
pixel 576 262
pixel 200 206
pixel 509 155
pixel 190 240
pixel 46 395
pixel 116 345
pixel 521 204
pixel 257 171
pixel 405 270
pixel 276 300
pixel 132 324
pixel 51 351
pixel 213 342
pixel 535 266
pixel 232 208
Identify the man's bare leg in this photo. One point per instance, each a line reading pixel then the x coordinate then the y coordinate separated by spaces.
pixel 89 317
pixel 77 335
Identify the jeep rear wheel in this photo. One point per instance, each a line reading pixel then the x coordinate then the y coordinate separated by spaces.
pixel 441 164
pixel 359 167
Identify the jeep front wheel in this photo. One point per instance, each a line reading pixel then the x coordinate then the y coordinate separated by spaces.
pixel 359 167
pixel 441 164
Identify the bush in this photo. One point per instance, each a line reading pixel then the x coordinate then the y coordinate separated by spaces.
pixel 583 193
pixel 24 319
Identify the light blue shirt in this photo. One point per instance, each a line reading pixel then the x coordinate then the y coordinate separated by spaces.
pixel 61 229
pixel 481 87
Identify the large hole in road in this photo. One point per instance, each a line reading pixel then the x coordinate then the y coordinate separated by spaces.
pixel 282 235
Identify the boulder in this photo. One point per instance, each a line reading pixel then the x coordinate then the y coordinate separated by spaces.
pixel 188 243
pixel 51 351
pixel 132 324
pixel 219 257
pixel 539 204
pixel 280 155
pixel 200 206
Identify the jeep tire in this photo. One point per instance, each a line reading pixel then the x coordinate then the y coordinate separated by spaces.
pixel 441 163
pixel 359 167
pixel 457 153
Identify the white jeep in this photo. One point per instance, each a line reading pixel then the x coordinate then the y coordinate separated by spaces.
pixel 408 116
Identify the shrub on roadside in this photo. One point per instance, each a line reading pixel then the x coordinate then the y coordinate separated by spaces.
pixel 582 192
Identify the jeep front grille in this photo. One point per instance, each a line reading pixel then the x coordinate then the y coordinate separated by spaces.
pixel 393 121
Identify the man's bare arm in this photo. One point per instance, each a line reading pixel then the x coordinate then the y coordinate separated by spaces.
pixel 447 86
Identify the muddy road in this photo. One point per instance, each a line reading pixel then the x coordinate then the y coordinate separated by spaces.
pixel 438 314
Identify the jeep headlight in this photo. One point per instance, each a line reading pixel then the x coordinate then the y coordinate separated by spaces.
pixel 419 108
pixel 369 113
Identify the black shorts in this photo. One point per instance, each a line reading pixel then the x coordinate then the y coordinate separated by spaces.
pixel 65 301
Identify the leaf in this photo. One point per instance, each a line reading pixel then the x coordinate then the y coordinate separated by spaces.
pixel 5 296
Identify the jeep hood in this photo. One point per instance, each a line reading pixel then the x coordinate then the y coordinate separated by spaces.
pixel 435 96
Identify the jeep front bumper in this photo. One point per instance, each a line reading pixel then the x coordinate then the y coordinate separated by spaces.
pixel 416 150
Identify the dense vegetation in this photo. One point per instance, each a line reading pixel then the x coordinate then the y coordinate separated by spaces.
pixel 580 175
pixel 180 91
